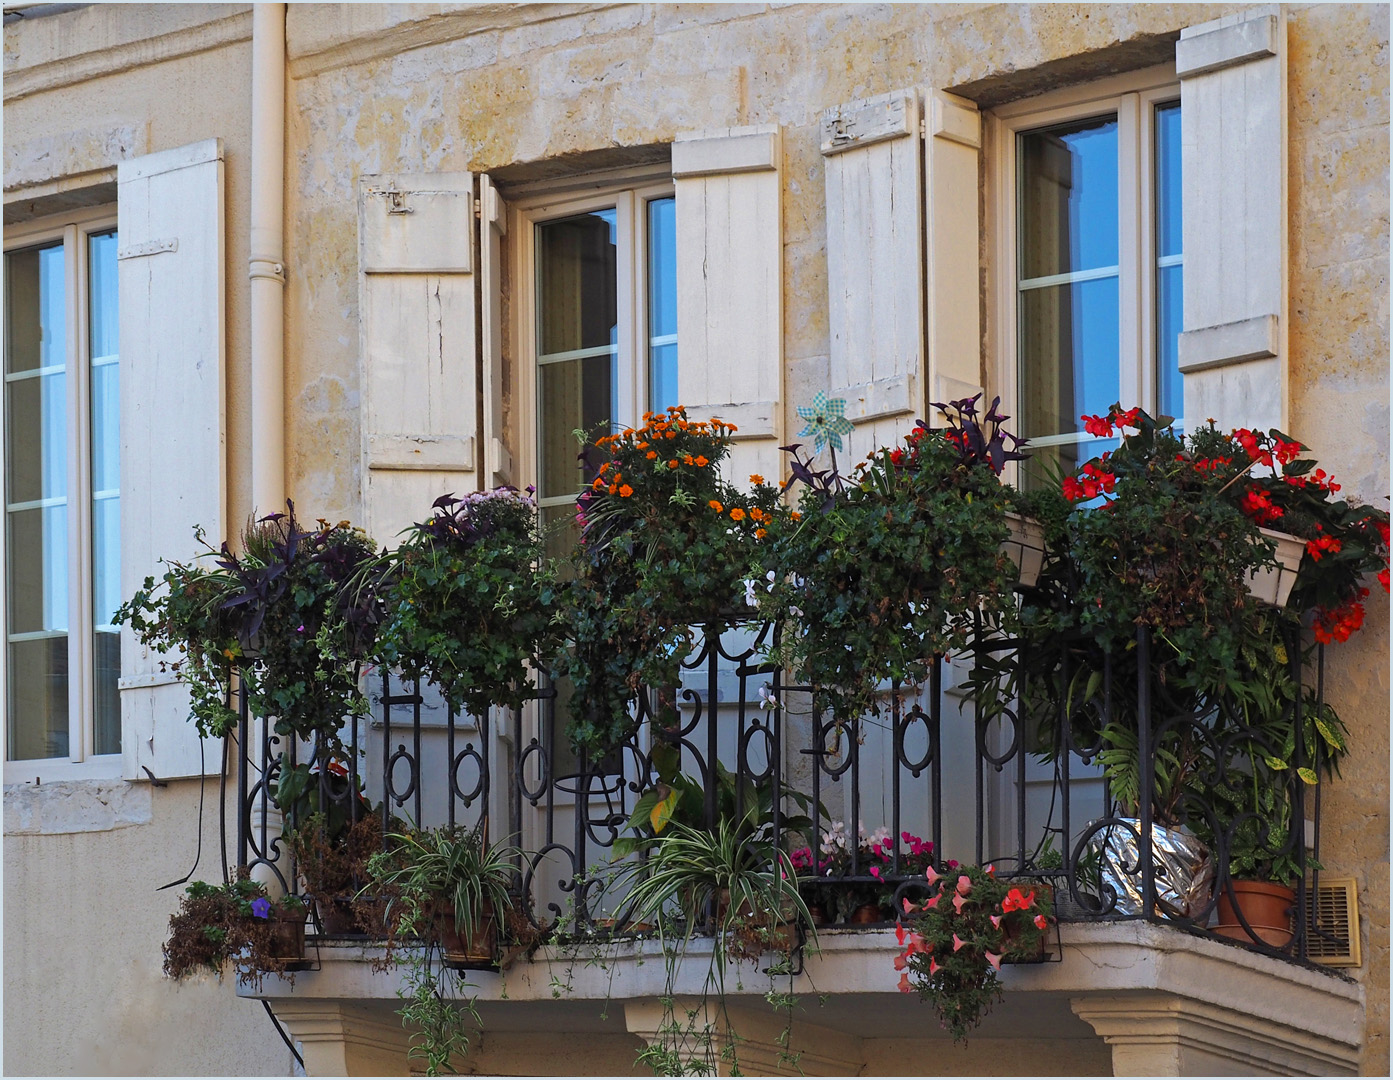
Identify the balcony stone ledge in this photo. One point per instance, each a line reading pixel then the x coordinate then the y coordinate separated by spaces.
pixel 1166 1003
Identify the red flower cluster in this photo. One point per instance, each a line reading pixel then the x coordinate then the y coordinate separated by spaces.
pixel 1322 545
pixel 1339 624
pixel 1018 901
pixel 1283 451
pixel 1088 486
pixel 1257 504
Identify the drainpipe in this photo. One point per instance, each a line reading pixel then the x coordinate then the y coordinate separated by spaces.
pixel 268 258
pixel 267 305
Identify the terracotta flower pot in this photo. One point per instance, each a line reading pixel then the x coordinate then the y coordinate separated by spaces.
pixel 336 917
pixel 867 913
pixel 474 947
pixel 1266 906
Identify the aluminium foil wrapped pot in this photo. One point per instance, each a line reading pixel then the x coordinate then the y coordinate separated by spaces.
pixel 1182 867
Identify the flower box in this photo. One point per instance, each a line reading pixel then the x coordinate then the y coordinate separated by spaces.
pixel 1026 547
pixel 1272 584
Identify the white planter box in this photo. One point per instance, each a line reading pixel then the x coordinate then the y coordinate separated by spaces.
pixel 1026 547
pixel 1272 584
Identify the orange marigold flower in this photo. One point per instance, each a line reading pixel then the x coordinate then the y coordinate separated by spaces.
pixel 672 434
pixel 597 484
pixel 731 427
pixel 625 491
pixel 737 514
pixel 613 488
pixel 755 478
pixel 652 454
pixel 756 513
pixel 686 459
pixel 702 462
pixel 760 534
pixel 672 464
pixel 643 446
pixel 716 506
pixel 796 515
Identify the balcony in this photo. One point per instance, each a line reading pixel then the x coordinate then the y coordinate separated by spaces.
pixel 982 763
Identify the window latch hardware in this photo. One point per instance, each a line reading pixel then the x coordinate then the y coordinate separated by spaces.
pixel 396 202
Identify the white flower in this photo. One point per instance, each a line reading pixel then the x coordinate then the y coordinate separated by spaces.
pixel 750 599
pixel 766 698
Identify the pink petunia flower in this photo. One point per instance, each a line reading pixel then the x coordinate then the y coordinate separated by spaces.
pixel 994 959
pixel 964 885
pixel 958 943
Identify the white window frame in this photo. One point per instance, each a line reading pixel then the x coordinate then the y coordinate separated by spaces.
pixel 629 195
pixel 1133 98
pixel 73 229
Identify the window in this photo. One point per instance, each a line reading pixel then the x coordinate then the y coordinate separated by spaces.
pixel 1089 292
pixel 603 327
pixel 62 500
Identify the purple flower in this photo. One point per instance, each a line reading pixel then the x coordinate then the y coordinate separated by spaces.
pixel 300 629
pixel 261 907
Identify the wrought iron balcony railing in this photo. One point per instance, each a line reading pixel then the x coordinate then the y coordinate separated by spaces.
pixel 1010 777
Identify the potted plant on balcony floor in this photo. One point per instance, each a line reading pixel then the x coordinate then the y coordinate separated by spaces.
pixel 449 887
pixel 879 572
pixel 734 882
pixel 235 923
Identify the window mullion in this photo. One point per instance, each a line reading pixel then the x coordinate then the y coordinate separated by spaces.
pixel 1131 233
pixel 79 511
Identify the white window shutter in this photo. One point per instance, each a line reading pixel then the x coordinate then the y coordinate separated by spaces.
pixel 1233 158
pixel 953 139
pixel 875 264
pixel 493 226
pixel 173 473
pixel 730 288
pixel 418 348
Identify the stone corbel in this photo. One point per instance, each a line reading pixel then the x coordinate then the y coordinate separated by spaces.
pixel 1164 1034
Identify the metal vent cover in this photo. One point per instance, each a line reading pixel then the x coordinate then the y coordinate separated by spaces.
pixel 1334 935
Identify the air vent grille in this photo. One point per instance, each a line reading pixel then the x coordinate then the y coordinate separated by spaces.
pixel 1334 936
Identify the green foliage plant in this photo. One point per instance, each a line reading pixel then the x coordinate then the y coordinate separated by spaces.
pixel 877 574
pixel 733 881
pixel 427 877
pixel 277 612
pixel 1164 533
pixel 957 939
pixel 666 544
pixel 468 599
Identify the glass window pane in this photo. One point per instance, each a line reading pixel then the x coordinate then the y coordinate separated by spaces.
pixel 576 285
pixel 38 569
pixel 35 309
pixel 1068 347
pixel 37 721
pixel 36 428
pixel 575 394
pixel 662 267
pixel 106 703
pixel 662 385
pixel 1168 213
pixel 662 304
pixel 1068 198
pixel 1170 391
